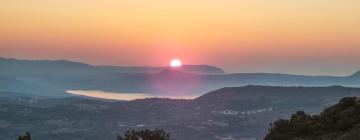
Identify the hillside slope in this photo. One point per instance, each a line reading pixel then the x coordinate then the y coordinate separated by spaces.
pixel 338 122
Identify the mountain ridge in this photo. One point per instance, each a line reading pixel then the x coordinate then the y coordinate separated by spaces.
pixel 355 75
pixel 150 69
pixel 9 64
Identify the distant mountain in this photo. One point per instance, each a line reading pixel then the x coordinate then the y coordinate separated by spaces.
pixel 187 80
pixel 201 69
pixel 196 69
pixel 355 75
pixel 58 67
pixel 64 67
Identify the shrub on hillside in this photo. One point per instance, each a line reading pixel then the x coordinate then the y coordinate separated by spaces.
pixel 339 122
pixel 147 134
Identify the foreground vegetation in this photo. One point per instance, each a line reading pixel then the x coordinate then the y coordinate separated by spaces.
pixel 147 134
pixel 236 112
pixel 27 136
pixel 339 122
pixel 144 135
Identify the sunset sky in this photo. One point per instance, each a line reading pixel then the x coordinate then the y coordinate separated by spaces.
pixel 316 37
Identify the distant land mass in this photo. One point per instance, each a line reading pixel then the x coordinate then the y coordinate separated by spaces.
pixel 65 67
pixel 355 75
pixel 53 78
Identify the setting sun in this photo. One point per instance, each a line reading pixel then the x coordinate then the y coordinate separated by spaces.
pixel 175 63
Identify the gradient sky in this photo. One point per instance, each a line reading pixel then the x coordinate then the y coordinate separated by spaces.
pixel 289 36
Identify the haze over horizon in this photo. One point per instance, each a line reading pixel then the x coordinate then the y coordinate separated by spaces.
pixel 213 66
pixel 298 37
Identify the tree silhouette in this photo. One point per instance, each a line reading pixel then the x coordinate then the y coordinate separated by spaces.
pixel 147 134
pixel 27 136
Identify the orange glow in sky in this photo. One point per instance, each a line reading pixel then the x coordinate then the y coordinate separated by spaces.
pixel 291 36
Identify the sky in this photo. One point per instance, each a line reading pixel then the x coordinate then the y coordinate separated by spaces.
pixel 313 37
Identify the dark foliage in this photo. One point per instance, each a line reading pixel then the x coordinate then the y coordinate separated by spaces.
pixel 339 122
pixel 27 136
pixel 144 135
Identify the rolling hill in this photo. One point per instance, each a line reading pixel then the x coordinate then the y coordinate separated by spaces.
pixel 227 113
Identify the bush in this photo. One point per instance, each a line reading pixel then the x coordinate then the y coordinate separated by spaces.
pixel 27 136
pixel 147 134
